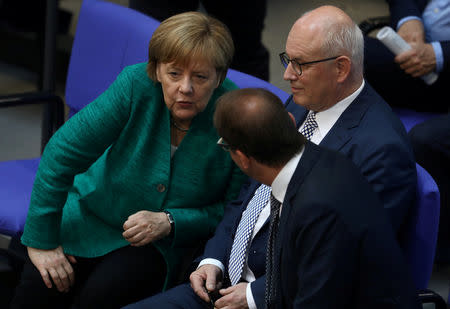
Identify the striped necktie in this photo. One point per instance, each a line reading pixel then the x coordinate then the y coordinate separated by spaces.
pixel 244 231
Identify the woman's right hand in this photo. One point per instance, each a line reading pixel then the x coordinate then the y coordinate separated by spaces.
pixel 54 264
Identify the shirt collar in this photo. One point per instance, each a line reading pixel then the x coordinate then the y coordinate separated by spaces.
pixel 281 182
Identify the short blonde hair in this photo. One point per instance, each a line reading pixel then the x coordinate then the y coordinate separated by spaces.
pixel 188 37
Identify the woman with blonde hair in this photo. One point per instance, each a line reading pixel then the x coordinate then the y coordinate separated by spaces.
pixel 134 178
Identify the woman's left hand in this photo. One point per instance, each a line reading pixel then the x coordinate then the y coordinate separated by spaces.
pixel 146 226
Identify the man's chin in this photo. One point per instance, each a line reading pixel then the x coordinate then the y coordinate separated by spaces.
pixel 299 100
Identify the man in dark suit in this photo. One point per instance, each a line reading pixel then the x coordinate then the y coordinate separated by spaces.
pixel 424 24
pixel 351 118
pixel 334 248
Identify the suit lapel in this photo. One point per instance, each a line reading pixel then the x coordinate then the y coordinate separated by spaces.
pixel 342 131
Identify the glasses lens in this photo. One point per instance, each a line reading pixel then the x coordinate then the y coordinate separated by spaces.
pixel 284 60
pixel 224 145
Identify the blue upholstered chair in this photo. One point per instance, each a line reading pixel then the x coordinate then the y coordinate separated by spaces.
pixel 419 237
pixel 410 117
pixel 247 81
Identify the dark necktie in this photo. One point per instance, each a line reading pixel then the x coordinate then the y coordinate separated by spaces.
pixel 270 256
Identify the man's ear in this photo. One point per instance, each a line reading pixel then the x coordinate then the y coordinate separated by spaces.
pixel 243 160
pixel 343 66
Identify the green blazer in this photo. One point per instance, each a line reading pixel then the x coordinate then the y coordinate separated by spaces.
pixel 112 159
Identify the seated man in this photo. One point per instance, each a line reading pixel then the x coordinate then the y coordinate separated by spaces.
pixel 349 117
pixel 425 25
pixel 324 65
pixel 330 245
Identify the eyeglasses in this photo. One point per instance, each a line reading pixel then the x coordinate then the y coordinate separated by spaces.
pixel 297 66
pixel 224 145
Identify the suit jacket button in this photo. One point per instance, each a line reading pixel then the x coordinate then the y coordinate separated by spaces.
pixel 161 188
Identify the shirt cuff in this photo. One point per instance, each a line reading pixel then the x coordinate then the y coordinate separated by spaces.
pixel 439 56
pixel 249 295
pixel 405 19
pixel 213 262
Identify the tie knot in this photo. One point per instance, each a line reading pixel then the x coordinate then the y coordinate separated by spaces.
pixel 310 125
pixel 311 119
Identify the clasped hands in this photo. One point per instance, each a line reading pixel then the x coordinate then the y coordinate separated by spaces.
pixel 207 279
pixel 420 59
pixel 54 266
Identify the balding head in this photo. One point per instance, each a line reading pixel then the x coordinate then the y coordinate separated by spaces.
pixel 333 32
pixel 255 122
pixel 328 37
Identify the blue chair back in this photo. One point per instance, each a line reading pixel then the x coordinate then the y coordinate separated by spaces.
pixel 108 38
pixel 243 80
pixel 410 117
pixel 419 240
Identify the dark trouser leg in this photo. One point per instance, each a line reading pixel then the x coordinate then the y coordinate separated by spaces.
pixel 33 293
pixel 111 281
pixel 123 276
pixel 179 297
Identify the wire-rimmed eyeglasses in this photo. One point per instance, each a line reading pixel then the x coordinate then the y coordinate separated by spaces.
pixel 297 66
pixel 223 144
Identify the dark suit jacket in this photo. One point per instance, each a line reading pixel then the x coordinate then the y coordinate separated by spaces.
pixel 373 138
pixel 401 8
pixel 335 247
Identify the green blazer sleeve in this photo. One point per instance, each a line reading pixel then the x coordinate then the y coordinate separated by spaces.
pixel 71 151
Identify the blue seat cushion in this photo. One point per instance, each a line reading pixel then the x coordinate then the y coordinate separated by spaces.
pixel 16 182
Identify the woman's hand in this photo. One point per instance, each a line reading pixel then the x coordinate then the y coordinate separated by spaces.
pixel 146 226
pixel 54 264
